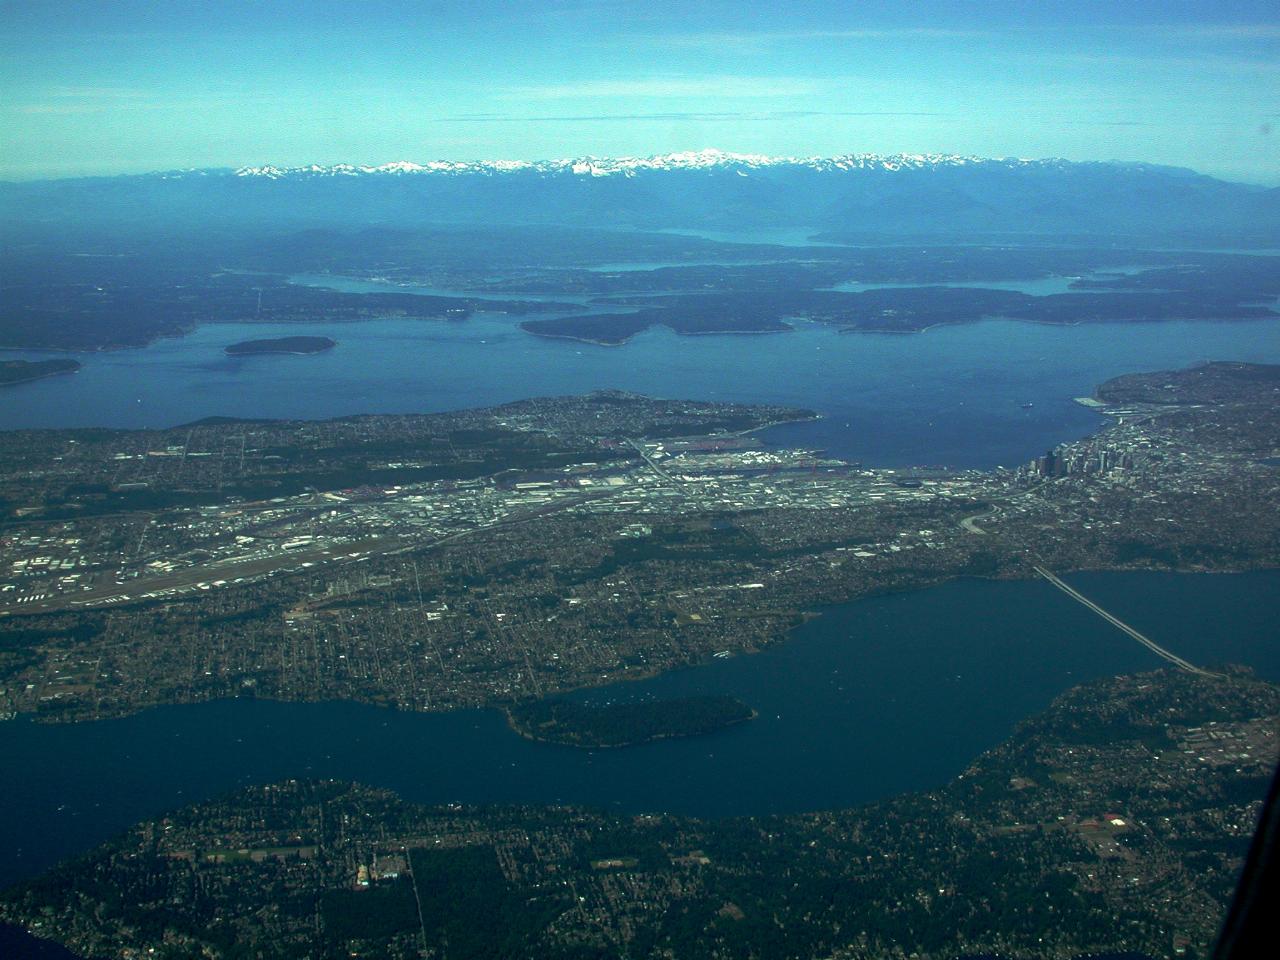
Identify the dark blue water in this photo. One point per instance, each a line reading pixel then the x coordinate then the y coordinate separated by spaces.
pixel 876 697
pixel 17 944
pixel 952 395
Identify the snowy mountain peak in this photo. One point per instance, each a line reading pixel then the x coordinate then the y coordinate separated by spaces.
pixel 708 159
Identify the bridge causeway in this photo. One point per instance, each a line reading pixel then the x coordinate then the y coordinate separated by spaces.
pixel 1147 642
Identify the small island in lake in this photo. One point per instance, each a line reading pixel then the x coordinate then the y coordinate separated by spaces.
pixel 13 372
pixel 282 345
pixel 625 724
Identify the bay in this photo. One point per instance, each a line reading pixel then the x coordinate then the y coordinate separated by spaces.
pixel 973 395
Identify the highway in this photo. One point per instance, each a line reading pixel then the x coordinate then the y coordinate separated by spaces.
pixel 1147 642
pixel 639 448
pixel 971 523
pixel 232 571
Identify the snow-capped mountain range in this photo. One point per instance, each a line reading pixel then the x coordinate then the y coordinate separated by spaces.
pixel 861 195
pixel 708 159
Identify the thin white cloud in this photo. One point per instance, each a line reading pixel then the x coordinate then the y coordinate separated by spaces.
pixel 673 88
pixel 876 33
pixel 57 109
pixel 54 103
pixel 1196 64
pixel 96 93
pixel 761 40
pixel 1224 31
pixel 63 100
pixel 769 116
pixel 757 41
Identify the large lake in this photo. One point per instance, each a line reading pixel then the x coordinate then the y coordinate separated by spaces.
pixel 875 697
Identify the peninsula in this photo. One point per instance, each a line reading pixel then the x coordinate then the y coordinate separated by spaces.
pixel 303 345
pixel 13 372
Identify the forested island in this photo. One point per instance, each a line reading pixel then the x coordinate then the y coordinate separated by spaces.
pixel 282 345
pixel 907 309
pixel 13 372
pixel 625 724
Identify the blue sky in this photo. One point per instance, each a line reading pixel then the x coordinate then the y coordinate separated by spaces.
pixel 93 88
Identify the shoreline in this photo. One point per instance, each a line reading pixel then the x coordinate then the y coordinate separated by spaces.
pixel 39 376
pixel 569 336
pixel 803 616
pixel 293 353
pixel 787 328
pixel 298 346
pixel 777 423
pixel 104 347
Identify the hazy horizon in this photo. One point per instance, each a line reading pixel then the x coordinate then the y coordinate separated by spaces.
pixel 138 87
